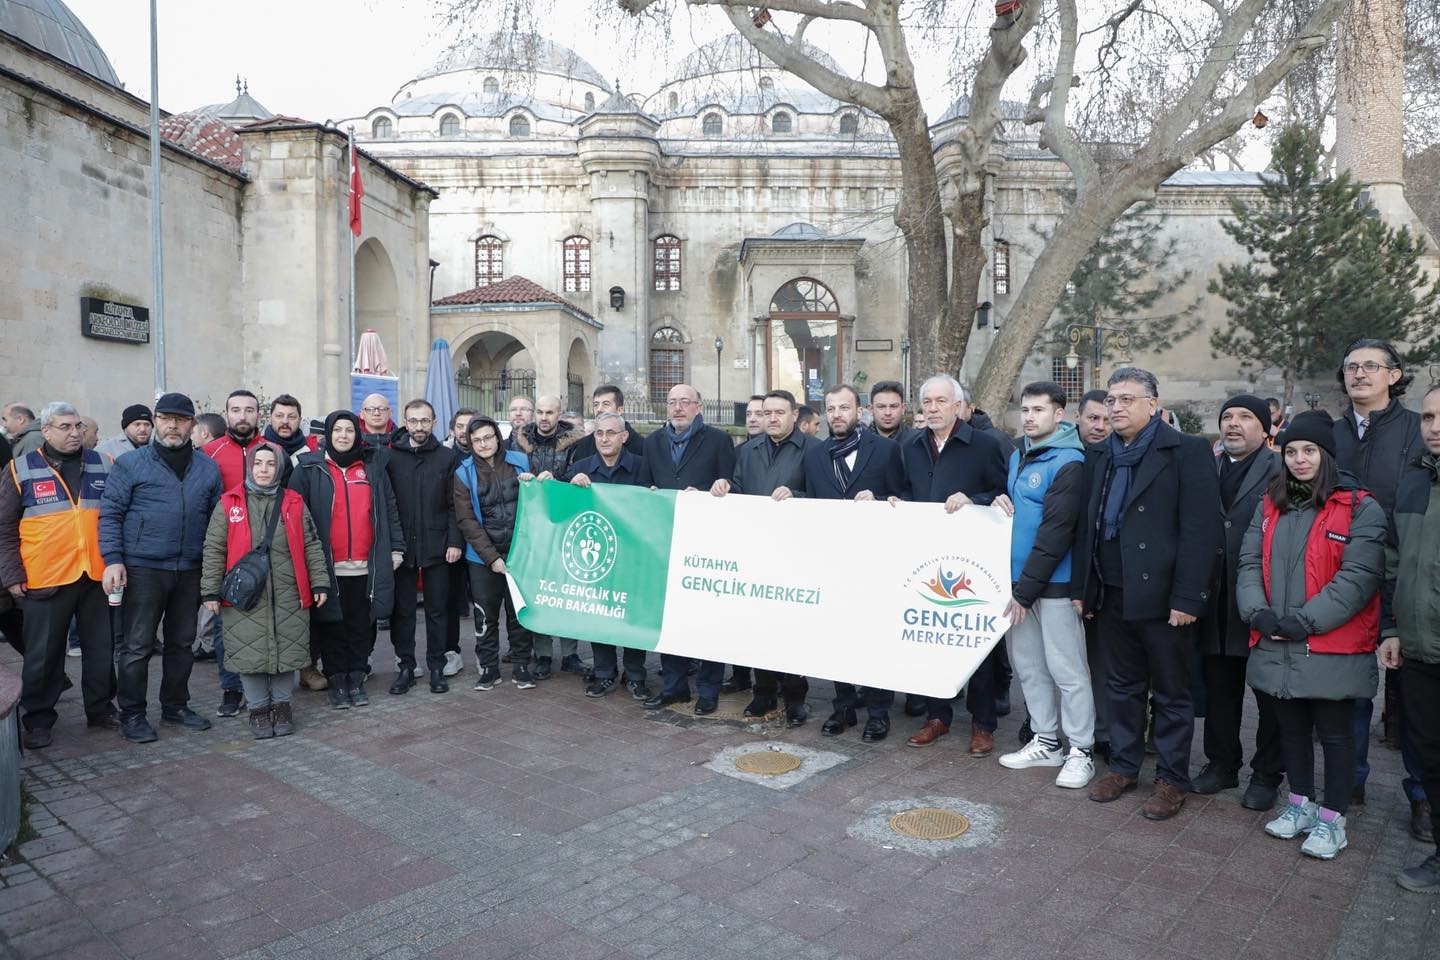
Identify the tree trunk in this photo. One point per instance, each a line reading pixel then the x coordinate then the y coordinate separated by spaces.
pixel 920 218
pixel 967 264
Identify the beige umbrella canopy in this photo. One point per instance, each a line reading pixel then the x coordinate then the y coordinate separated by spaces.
pixel 370 355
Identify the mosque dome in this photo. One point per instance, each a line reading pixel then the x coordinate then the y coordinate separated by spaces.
pixel 513 52
pixel 50 26
pixel 732 53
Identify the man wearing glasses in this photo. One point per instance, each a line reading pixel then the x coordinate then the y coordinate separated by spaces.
pixel 687 454
pixel 375 420
pixel 1144 557
pixel 422 471
pixel 1378 440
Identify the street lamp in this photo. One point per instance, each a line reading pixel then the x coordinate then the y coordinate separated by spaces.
pixel 719 345
pixel 1095 332
pixel 1313 399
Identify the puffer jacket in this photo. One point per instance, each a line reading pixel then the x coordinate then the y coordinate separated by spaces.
pixel 149 518
pixel 1289 669
pixel 1411 607
pixel 275 636
pixel 497 491
pixel 548 453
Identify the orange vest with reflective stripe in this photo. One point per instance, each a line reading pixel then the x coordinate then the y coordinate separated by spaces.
pixel 59 538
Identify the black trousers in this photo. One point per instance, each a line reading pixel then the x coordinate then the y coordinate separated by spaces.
pixel 346 643
pixel 1225 691
pixel 848 696
pixel 675 676
pixel 438 614
pixel 1148 656
pixel 459 603
pixel 1331 720
pixel 980 692
pixel 607 662
pixel 1421 704
pixel 152 596
pixel 768 683
pixel 491 592
pixel 12 624
pixel 46 632
pixel 1095 659
pixel 740 674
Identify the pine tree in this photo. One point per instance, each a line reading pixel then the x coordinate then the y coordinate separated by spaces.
pixel 1324 271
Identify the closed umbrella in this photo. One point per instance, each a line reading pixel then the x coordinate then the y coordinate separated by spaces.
pixel 440 385
pixel 370 355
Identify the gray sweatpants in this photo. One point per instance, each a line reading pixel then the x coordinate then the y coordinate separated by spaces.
pixel 1047 653
pixel 263 689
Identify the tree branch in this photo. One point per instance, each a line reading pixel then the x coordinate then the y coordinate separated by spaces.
pixel 822 9
pixel 1055 132
pixel 1004 55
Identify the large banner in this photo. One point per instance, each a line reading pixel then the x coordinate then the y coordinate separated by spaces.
pixel 905 597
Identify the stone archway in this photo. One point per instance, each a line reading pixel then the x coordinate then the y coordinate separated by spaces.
pixel 493 367
pixel 377 298
pixel 579 377
pixel 804 343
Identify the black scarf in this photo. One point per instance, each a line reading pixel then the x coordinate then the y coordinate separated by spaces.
pixel 70 466
pixel 1123 460
pixel 292 446
pixel 243 442
pixel 176 458
pixel 1232 474
pixel 347 457
pixel 840 450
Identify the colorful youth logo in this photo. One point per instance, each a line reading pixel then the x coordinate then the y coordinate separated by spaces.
pixel 947 588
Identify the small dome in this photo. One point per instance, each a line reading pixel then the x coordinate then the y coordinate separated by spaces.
pixel 732 53
pixel 243 109
pixel 517 52
pixel 50 26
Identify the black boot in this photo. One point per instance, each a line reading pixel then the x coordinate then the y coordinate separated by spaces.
pixel 358 696
pixel 437 682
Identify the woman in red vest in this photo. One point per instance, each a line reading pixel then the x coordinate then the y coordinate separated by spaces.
pixel 268 644
pixel 1310 571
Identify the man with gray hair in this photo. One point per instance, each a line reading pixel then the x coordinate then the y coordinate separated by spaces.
pixel 1150 490
pixel 22 428
pixel 50 562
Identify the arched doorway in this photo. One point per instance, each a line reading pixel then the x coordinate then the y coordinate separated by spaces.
pixel 803 340
pixel 493 368
pixel 579 377
pixel 377 298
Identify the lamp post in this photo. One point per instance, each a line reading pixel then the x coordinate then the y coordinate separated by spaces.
pixel 1095 332
pixel 719 345
pixel 1313 399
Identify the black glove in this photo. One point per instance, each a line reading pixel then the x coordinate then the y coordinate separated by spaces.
pixel 1292 629
pixel 1266 621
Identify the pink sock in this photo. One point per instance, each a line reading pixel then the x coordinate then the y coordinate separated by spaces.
pixel 1298 800
pixel 1328 815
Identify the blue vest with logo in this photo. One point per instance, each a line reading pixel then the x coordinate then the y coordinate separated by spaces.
pixel 466 473
pixel 1027 487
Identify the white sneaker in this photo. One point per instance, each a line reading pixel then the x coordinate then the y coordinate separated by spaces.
pixel 454 663
pixel 1326 839
pixel 1033 754
pixel 1294 820
pixel 72 652
pixel 1078 771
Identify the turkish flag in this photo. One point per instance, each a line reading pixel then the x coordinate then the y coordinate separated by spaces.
pixel 45 488
pixel 357 191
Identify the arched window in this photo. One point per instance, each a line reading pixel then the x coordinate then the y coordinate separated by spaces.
pixel 804 295
pixel 589 103
pixel 780 123
pixel 667 263
pixel 381 129
pixel 491 85
pixel 489 260
pixel 1001 271
pixel 674 101
pixel 449 125
pixel 767 85
pixel 849 123
pixel 712 125
pixel 667 362
pixel 519 125
pixel 575 264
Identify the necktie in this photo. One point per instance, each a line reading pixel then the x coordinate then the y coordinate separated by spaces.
pixel 1363 426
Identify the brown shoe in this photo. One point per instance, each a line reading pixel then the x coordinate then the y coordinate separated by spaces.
pixel 1110 787
pixel 982 742
pixel 1420 827
pixel 313 679
pixel 1165 801
pixel 928 734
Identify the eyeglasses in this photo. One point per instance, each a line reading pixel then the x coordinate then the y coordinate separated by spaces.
pixel 1369 366
pixel 607 434
pixel 419 421
pixel 67 427
pixel 374 409
pixel 672 402
pixel 487 438
pixel 1123 400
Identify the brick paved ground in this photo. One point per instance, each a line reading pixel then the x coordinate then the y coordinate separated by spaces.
pixel 540 824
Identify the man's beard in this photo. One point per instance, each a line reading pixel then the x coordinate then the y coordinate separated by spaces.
pixel 242 429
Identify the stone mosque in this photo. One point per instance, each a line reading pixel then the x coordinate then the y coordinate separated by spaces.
pixel 730 229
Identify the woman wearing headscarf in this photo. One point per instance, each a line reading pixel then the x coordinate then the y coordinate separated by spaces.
pixel 269 643
pixel 1311 565
pixel 346 488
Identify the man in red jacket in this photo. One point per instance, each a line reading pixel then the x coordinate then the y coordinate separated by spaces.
pixel 242 421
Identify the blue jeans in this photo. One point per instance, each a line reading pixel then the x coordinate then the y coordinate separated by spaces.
pixel 229 680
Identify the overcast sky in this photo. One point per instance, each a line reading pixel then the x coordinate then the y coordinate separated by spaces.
pixel 328 59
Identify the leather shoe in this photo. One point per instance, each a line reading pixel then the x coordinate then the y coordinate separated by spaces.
pixel 928 734
pixel 137 729
pixel 876 729
pixel 184 717
pixel 1111 786
pixel 404 680
pixel 437 681
pixel 1213 779
pixel 1420 827
pixel 661 700
pixel 734 686
pixel 914 706
pixel 1165 801
pixel 104 721
pixel 982 742
pixel 705 705
pixel 37 738
pixel 1260 796
pixel 839 722
pixel 796 714
pixel 760 707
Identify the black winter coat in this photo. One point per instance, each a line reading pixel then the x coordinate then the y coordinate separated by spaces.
pixel 423 479
pixel 585 447
pixel 1391 448
pixel 311 479
pixel 1222 631
pixel 708 456
pixel 877 469
pixel 1169 532
pixel 972 463
pixel 758 474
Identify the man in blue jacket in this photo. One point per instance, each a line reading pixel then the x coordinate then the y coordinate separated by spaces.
pixel 1046 495
pixel 156 508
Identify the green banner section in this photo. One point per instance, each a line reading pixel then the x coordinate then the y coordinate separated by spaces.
pixel 592 562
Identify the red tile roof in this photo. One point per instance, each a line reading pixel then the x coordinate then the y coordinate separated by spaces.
pixel 204 135
pixel 509 290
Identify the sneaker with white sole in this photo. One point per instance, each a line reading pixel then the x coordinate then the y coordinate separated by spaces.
pixel 1033 754
pixel 488 679
pixel 454 663
pixel 1295 819
pixel 1078 771
pixel 1326 839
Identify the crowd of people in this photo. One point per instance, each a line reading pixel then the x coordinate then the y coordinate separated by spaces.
pixel 1154 577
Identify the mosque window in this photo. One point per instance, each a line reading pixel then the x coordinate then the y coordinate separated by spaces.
pixel 519 126
pixel 449 125
pixel 667 263
pixel 491 85
pixel 767 85
pixel 849 123
pixel 781 123
pixel 489 261
pixel 576 264
pixel 589 103
pixel 674 101
pixel 667 362
pixel 1001 271
pixel 712 125
pixel 381 129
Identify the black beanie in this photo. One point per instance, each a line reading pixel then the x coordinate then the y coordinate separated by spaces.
pixel 134 412
pixel 1250 402
pixel 1316 426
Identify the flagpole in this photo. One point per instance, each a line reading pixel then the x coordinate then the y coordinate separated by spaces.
pixel 350 181
pixel 157 242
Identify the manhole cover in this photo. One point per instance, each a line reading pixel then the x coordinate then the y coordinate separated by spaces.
pixel 929 823
pixel 769 763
